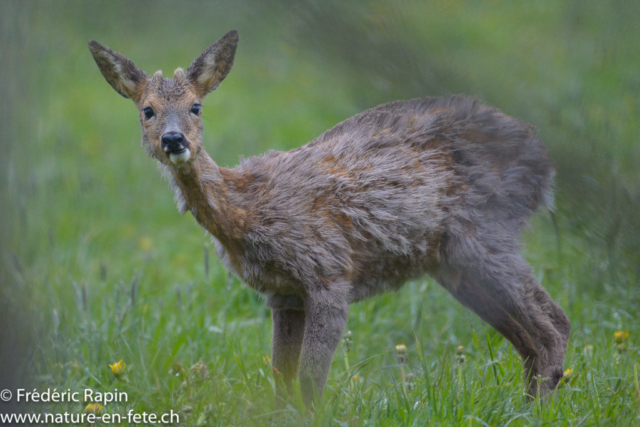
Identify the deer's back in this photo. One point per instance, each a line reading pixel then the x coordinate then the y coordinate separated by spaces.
pixel 388 194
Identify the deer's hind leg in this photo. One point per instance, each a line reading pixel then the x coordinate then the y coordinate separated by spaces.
pixel 477 299
pixel 501 289
pixel 555 312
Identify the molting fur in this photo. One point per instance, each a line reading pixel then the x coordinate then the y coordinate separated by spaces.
pixel 437 186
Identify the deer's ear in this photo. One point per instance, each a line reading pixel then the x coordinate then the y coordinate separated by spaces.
pixel 207 72
pixel 121 73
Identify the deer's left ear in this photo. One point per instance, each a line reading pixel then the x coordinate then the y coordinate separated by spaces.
pixel 207 72
pixel 121 73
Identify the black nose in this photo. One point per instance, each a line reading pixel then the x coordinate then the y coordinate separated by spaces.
pixel 173 141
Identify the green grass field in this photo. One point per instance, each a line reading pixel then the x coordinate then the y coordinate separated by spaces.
pixel 98 260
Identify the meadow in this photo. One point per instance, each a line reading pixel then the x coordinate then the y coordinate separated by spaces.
pixel 98 267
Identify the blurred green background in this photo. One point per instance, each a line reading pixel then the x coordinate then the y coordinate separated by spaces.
pixel 97 266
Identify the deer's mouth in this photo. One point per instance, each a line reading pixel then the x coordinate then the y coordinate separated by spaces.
pixel 179 157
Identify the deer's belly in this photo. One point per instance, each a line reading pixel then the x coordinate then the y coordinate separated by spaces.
pixel 374 270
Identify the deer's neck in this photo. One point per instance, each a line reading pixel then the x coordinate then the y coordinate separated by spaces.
pixel 214 197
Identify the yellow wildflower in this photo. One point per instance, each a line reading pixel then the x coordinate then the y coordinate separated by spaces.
pixel 145 243
pixel 620 336
pixel 460 350
pixel 93 408
pixel 118 368
pixel 567 373
pixel 355 378
pixel 401 355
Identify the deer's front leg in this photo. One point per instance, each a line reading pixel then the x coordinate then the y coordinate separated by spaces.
pixel 288 332
pixel 326 318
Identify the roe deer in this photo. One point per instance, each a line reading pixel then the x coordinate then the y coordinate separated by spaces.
pixel 437 186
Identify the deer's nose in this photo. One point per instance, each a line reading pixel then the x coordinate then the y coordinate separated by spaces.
pixel 173 142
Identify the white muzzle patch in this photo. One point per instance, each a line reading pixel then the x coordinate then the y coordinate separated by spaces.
pixel 179 159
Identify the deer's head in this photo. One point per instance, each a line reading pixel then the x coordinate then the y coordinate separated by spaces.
pixel 170 109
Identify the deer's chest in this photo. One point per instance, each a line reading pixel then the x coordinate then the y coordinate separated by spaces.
pixel 261 274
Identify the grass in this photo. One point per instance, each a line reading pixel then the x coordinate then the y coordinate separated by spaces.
pixel 201 348
pixel 106 270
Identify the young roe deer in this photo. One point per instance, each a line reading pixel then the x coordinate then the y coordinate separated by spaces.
pixel 437 186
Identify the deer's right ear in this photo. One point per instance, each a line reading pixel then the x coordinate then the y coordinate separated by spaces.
pixel 121 73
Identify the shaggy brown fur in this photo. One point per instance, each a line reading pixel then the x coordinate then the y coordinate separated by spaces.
pixel 439 186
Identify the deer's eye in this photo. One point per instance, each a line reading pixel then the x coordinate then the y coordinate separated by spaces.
pixel 148 112
pixel 196 109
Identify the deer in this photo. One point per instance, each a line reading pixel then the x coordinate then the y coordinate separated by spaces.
pixel 438 186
